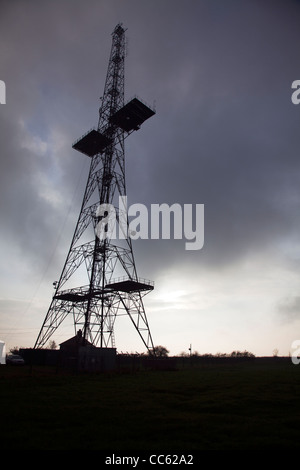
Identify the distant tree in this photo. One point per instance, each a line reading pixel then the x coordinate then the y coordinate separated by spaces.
pixel 275 352
pixel 188 354
pixel 248 354
pixel 235 354
pixel 241 354
pixel 183 354
pixel 52 345
pixel 14 350
pixel 159 351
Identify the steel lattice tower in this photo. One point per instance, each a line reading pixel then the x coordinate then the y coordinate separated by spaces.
pixel 112 286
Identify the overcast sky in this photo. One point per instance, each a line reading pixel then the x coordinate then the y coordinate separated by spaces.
pixel 226 134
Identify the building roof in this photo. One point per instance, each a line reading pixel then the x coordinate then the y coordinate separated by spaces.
pixel 75 342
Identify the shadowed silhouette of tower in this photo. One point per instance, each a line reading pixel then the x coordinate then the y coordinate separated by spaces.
pixel 112 286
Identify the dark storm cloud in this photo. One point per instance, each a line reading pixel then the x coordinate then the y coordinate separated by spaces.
pixel 225 133
pixel 37 163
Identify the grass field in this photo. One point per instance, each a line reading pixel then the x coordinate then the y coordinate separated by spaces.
pixel 244 406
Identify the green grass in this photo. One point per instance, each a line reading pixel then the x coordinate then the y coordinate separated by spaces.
pixel 252 405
